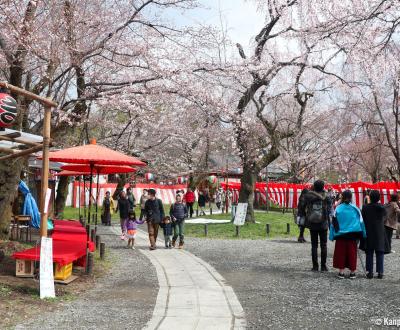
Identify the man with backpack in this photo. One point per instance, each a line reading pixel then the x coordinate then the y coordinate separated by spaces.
pixel 317 208
pixel 178 213
pixel 154 212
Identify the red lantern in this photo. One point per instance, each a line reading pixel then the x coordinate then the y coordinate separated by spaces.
pixel 8 110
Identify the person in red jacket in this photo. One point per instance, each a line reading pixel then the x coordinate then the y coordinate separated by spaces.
pixel 190 198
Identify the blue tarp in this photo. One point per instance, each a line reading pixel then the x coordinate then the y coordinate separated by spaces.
pixel 30 206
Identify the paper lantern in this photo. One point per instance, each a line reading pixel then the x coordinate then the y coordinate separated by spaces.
pixel 212 179
pixel 149 176
pixel 8 110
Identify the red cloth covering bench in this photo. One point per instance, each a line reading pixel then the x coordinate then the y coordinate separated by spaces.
pixel 64 252
pixel 69 229
pixel 69 237
pixel 71 223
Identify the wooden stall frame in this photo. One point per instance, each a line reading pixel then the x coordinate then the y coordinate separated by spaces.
pixel 48 105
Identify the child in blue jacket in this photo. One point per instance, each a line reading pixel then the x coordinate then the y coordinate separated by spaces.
pixel 167 229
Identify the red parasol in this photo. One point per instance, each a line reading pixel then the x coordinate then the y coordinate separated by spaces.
pixel 99 169
pixel 94 154
pixel 91 155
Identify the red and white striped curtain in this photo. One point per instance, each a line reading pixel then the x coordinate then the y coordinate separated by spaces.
pixel 165 193
pixel 287 195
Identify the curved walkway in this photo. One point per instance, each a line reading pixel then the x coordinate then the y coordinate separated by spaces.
pixel 192 294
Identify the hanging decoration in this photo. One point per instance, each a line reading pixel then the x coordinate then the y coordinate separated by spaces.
pixel 182 179
pixel 8 110
pixel 212 179
pixel 149 176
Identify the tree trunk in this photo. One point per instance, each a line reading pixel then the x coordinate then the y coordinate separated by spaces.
pixel 62 194
pixel 120 186
pixel 246 194
pixel 9 178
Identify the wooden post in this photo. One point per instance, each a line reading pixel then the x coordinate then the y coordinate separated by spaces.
pixel 92 235
pixel 210 210
pixel 267 229
pixel 102 250
pixel 90 263
pixel 45 169
pixel 97 242
pixel 237 231
pixel 288 228
pixel 205 229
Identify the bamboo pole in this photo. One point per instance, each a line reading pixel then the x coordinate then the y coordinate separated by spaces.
pixel 8 151
pixel 17 140
pixel 45 169
pixel 23 153
pixel 45 101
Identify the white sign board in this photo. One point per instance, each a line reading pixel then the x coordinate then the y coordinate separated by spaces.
pixel 47 200
pixel 240 215
pixel 46 269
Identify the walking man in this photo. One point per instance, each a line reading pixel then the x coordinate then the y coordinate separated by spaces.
pixel 154 212
pixel 178 213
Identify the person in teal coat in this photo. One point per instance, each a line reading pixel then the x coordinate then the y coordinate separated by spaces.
pixel 346 228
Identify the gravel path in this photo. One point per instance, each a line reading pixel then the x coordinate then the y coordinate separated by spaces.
pixel 122 299
pixel 277 290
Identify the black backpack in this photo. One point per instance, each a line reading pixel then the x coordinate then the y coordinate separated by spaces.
pixel 316 210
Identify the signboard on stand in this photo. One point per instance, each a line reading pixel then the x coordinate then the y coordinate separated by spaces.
pixel 240 214
pixel 46 269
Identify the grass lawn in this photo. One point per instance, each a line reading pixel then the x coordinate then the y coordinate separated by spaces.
pixel 276 220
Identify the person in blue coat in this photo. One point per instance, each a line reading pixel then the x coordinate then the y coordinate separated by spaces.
pixel 347 228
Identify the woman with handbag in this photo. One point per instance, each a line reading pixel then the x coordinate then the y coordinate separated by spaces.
pixel 107 209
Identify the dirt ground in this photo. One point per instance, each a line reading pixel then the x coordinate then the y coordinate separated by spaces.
pixel 19 297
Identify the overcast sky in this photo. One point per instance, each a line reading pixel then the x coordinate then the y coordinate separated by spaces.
pixel 240 16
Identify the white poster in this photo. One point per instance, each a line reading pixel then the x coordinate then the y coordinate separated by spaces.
pixel 240 215
pixel 47 200
pixel 46 269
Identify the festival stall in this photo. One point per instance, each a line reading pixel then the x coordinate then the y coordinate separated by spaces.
pixel 8 113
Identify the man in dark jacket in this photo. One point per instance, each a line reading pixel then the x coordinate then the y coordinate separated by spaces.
pixel 123 208
pixel 317 208
pixel 178 213
pixel 154 212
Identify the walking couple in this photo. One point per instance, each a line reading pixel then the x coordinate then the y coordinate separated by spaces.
pixel 155 217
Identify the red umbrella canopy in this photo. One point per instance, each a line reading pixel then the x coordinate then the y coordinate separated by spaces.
pixel 71 173
pixel 98 169
pixel 93 154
